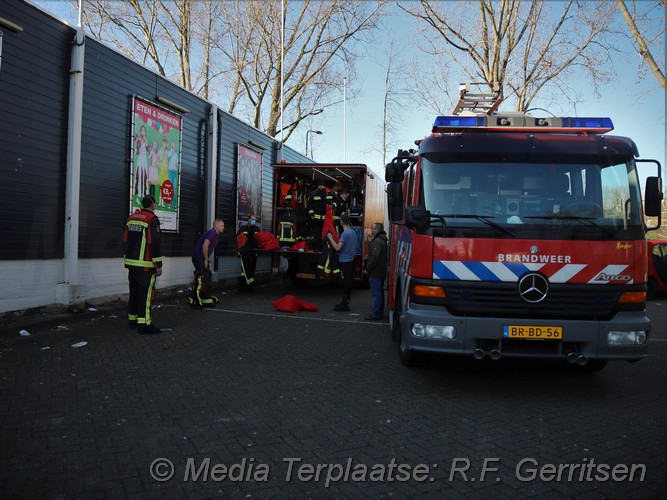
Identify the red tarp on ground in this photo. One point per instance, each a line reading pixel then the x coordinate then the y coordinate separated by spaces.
pixel 293 304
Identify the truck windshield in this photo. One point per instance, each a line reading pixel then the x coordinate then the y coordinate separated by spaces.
pixel 536 194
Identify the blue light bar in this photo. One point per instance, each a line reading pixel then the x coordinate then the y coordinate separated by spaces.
pixel 589 123
pixel 458 121
pixel 525 123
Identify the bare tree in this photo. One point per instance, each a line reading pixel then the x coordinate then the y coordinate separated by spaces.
pixel 644 44
pixel 153 32
pixel 320 48
pixel 532 48
pixel 231 51
pixel 395 94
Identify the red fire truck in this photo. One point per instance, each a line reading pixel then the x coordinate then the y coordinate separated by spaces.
pixel 517 236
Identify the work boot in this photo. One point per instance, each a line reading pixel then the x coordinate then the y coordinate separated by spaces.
pixel 342 307
pixel 194 303
pixel 208 302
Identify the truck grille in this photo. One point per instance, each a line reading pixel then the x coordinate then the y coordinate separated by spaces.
pixel 502 299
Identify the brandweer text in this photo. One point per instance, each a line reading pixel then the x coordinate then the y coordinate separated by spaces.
pixel 542 259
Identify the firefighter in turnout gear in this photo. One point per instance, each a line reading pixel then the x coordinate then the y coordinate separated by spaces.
pixel 201 259
pixel 246 245
pixel 141 250
pixel 317 207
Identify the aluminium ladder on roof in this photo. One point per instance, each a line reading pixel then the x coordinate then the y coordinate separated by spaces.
pixel 478 103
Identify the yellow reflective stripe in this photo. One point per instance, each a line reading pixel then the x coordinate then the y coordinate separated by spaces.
pixel 198 289
pixel 137 223
pixel 142 249
pixel 149 299
pixel 138 263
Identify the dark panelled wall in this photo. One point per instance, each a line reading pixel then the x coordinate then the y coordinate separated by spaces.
pixel 235 132
pixel 34 89
pixel 291 156
pixel 34 95
pixel 111 80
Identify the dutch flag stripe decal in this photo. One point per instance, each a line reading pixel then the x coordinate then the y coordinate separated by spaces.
pixel 440 271
pixel 482 272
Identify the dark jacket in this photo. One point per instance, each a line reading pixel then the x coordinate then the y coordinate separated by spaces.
pixel 317 204
pixel 141 241
pixel 376 263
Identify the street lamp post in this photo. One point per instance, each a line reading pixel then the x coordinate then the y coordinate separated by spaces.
pixel 318 132
pixel 345 119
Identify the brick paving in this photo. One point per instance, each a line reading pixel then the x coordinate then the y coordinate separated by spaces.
pixel 235 396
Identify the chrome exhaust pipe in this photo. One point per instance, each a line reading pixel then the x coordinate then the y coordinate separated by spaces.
pixel 572 357
pixel 582 360
pixel 478 353
pixel 495 354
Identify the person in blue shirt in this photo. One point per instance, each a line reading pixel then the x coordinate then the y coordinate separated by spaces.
pixel 346 248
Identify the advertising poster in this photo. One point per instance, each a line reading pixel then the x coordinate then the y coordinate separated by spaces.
pixel 156 160
pixel 249 170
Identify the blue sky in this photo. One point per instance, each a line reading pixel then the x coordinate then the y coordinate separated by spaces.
pixel 637 111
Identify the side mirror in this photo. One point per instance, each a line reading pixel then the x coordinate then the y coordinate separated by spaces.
pixel 653 197
pixel 416 216
pixel 395 201
pixel 395 171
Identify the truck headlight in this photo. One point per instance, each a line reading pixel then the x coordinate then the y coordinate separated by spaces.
pixel 627 338
pixel 434 332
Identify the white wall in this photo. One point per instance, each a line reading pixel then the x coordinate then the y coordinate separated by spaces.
pixel 34 283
